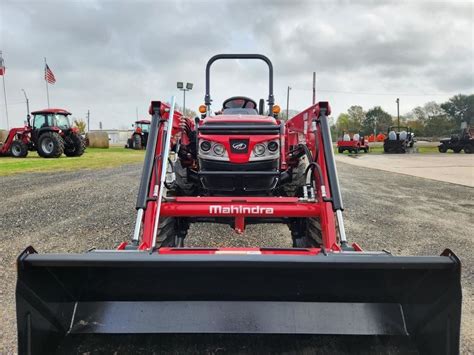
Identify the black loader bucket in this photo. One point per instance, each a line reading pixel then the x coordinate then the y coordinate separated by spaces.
pixel 76 298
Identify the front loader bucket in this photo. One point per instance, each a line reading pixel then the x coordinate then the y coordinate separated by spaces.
pixel 65 297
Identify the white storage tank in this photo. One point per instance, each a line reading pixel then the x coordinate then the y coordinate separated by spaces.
pixel 346 137
pixel 356 137
pixel 392 136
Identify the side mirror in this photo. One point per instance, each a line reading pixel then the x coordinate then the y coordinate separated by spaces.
pixel 261 105
pixel 133 125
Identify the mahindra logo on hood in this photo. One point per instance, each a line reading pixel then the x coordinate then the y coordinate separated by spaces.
pixel 239 146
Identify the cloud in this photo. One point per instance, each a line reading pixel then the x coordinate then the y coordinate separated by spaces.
pixel 113 56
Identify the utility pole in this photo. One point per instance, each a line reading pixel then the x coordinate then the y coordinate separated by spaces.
pixel 27 107
pixel 398 113
pixel 314 87
pixel 136 112
pixel 287 102
pixel 88 121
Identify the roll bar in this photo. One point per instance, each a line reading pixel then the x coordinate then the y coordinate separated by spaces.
pixel 207 98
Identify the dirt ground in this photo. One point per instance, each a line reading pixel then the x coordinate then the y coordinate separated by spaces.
pixel 454 168
pixel 74 211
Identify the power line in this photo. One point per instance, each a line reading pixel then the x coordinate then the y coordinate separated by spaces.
pixel 373 93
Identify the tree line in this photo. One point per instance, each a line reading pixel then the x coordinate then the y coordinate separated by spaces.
pixel 430 120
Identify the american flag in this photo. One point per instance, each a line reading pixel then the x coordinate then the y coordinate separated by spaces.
pixel 48 75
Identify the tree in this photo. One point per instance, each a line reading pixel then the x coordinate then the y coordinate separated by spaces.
pixel 419 114
pixel 342 123
pixel 356 115
pixel 432 109
pixel 438 126
pixel 81 125
pixel 376 118
pixel 460 108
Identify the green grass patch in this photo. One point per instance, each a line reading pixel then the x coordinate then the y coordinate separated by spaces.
pixel 93 158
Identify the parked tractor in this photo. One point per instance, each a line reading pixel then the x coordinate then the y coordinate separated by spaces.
pixel 458 142
pixel 139 137
pixel 353 144
pixel 49 132
pixel 398 140
pixel 239 167
pixel 16 143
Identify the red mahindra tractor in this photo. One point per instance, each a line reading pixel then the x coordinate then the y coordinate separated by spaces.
pixel 139 137
pixel 353 144
pixel 50 134
pixel 243 166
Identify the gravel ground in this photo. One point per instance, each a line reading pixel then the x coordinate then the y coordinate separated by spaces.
pixel 71 212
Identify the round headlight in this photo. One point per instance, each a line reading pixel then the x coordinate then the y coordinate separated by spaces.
pixel 205 146
pixel 272 146
pixel 259 150
pixel 218 149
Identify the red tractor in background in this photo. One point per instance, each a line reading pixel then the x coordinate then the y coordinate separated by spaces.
pixel 16 143
pixel 139 137
pixel 353 144
pixel 50 134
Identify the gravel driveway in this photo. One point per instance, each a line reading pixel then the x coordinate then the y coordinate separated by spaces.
pixel 71 212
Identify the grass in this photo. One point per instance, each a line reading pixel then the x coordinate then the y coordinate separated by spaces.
pixel 93 158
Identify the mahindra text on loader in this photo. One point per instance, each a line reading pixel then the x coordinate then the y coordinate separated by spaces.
pixel 242 166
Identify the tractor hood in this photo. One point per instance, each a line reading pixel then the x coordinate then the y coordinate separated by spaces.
pixel 239 119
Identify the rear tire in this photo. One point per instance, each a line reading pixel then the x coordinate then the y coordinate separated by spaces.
pixel 18 149
pixel 50 145
pixel 74 146
pixel 340 150
pixel 137 142
pixel 468 149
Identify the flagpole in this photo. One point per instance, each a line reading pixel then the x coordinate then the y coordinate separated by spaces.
pixel 5 97
pixel 4 89
pixel 46 81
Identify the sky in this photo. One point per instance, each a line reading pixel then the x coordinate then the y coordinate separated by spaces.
pixel 114 57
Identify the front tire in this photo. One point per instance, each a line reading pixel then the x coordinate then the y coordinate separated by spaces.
pixel 74 146
pixel 167 234
pixel 306 233
pixel 50 145
pixel 442 148
pixel 18 149
pixel 185 188
pixel 340 150
pixel 137 142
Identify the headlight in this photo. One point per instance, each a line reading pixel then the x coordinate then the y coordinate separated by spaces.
pixel 259 150
pixel 272 146
pixel 265 150
pixel 205 146
pixel 218 149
